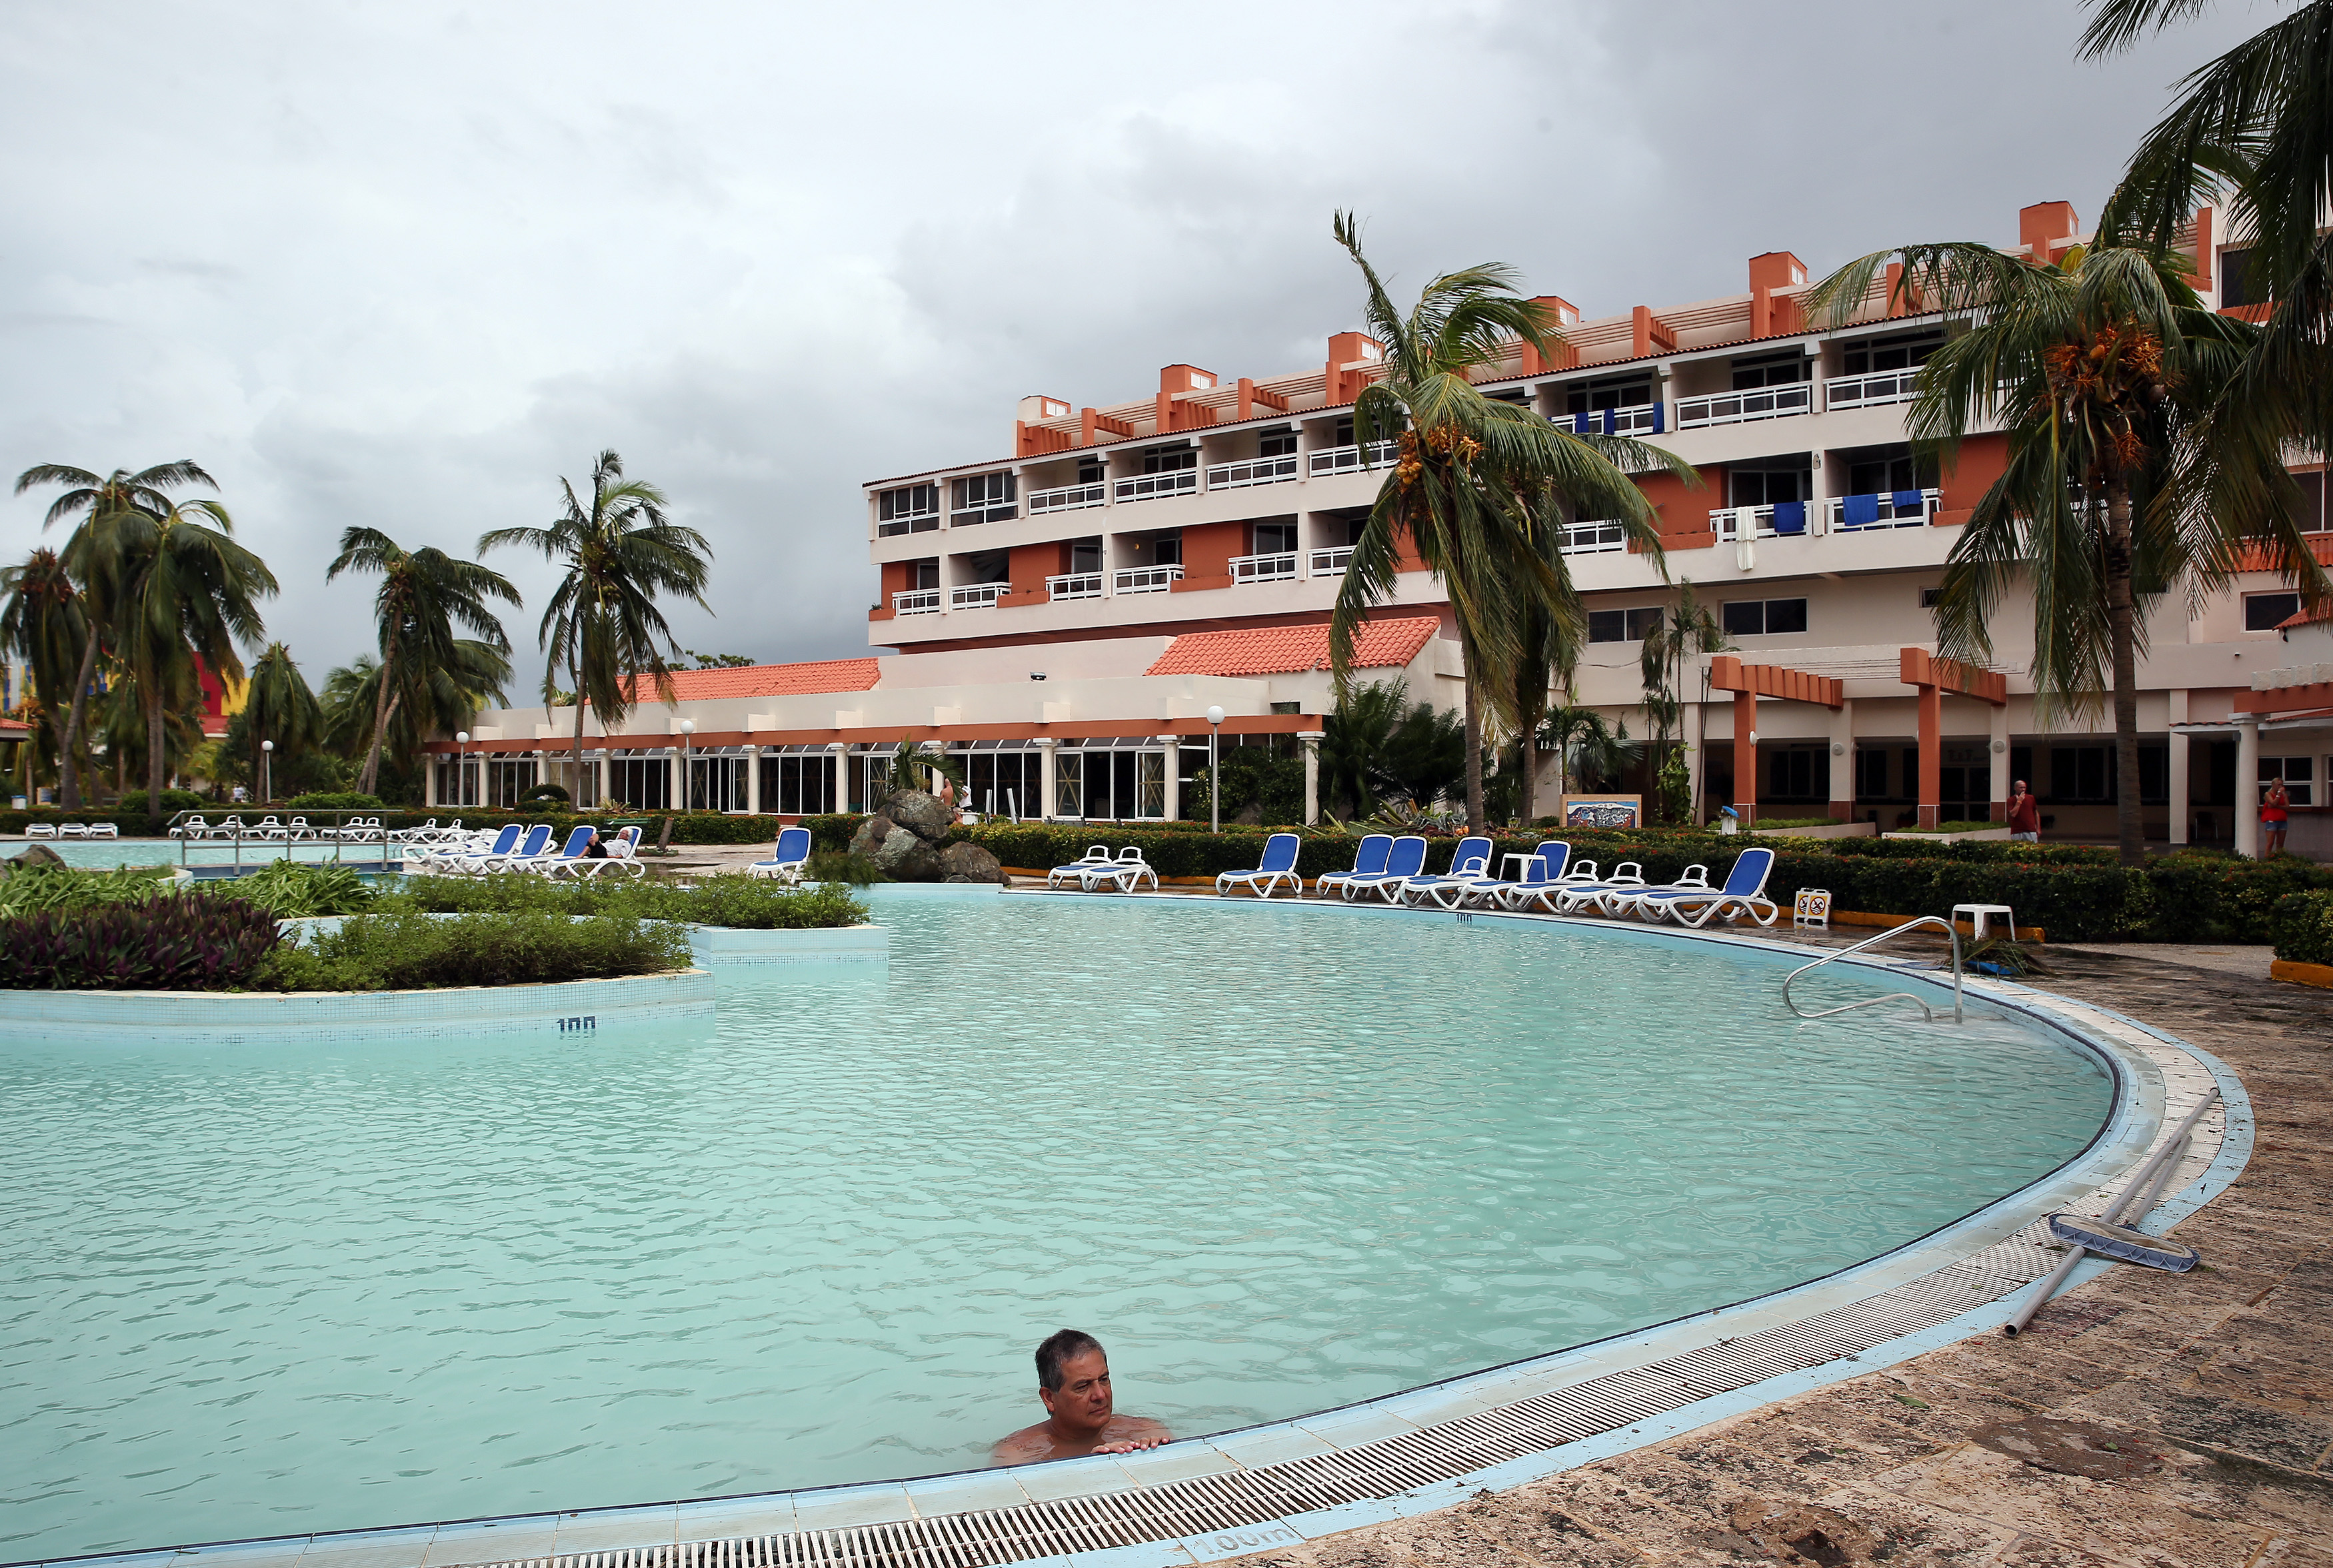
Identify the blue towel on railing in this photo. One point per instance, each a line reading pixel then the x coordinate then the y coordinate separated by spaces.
pixel 1588 425
pixel 1790 517
pixel 1908 502
pixel 1861 510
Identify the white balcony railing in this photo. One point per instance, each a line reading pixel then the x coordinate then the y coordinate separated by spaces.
pixel 1069 497
pixel 1351 459
pixel 1897 508
pixel 1594 538
pixel 1144 579
pixel 1736 523
pixel 1331 561
pixel 1636 419
pixel 1151 486
pixel 1870 391
pixel 1755 403
pixel 1255 471
pixel 1279 567
pixel 917 602
pixel 1074 585
pixel 979 595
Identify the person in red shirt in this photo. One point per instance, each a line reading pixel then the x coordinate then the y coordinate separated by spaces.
pixel 2272 817
pixel 2024 815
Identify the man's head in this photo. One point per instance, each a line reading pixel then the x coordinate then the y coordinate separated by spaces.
pixel 2021 787
pixel 1073 1379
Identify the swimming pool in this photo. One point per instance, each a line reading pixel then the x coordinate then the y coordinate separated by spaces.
pixel 103 854
pixel 1279 1158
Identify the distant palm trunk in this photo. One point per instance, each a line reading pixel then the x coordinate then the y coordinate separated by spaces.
pixel 2121 630
pixel 68 768
pixel 382 709
pixel 154 758
pixel 1474 753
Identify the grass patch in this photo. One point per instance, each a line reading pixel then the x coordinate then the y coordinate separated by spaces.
pixel 409 951
pixel 731 900
pixel 34 888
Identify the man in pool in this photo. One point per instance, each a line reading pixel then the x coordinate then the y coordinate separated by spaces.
pixel 1073 1379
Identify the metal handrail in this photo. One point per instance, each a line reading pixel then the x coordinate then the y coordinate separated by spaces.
pixel 1935 920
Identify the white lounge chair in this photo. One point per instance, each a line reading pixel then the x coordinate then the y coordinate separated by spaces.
pixel 1546 869
pixel 1470 867
pixel 623 852
pixel 40 831
pixel 1095 854
pixel 193 827
pixel 534 848
pixel 1369 860
pixel 73 829
pixel 1404 860
pixel 1745 893
pixel 1125 873
pixel 469 861
pixel 565 859
pixel 1694 878
pixel 1628 877
pixel 1280 853
pixel 786 862
pixel 105 831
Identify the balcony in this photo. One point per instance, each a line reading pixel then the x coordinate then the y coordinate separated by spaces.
pixel 1279 567
pixel 1330 562
pixel 916 523
pixel 1752 403
pixel 979 595
pixel 1256 471
pixel 1782 520
pixel 917 602
pixel 1636 419
pixel 1144 579
pixel 1870 391
pixel 1897 509
pixel 1352 459
pixel 1152 487
pixel 1594 538
pixel 1069 497
pixel 1074 585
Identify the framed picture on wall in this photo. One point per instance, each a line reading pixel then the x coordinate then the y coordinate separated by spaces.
pixel 1603 810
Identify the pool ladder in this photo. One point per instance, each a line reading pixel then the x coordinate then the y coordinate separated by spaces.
pixel 1948 929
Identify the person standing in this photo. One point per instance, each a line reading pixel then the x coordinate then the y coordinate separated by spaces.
pixel 2272 818
pixel 2024 815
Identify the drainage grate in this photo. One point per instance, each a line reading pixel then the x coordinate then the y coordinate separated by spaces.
pixel 1237 1501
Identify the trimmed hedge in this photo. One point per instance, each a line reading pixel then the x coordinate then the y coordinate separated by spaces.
pixel 2301 924
pixel 2207 897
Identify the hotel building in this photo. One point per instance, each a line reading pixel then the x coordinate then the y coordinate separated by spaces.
pixel 1065 614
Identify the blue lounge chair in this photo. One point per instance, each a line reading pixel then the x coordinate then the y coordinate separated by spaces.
pixel 1628 877
pixel 1405 859
pixel 1279 865
pixel 570 855
pixel 1545 865
pixel 1075 871
pixel 785 863
pixel 535 845
pixel 1369 860
pixel 1745 893
pixel 461 863
pixel 1470 866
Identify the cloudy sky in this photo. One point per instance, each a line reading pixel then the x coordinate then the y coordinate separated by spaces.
pixel 405 264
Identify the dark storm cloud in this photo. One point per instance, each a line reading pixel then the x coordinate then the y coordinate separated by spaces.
pixel 404 264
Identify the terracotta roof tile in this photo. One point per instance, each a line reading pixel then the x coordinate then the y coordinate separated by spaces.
pixel 765 680
pixel 1285 650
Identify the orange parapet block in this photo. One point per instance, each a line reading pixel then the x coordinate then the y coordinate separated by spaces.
pixel 1651 332
pixel 1251 397
pixel 1035 441
pixel 1093 420
pixel 1729 673
pixel 1918 667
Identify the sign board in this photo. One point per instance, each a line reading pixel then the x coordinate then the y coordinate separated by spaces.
pixel 1603 811
pixel 1811 908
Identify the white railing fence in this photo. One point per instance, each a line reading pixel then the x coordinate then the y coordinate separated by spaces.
pixel 1074 585
pixel 1636 419
pixel 1331 561
pixel 1151 486
pixel 979 595
pixel 1352 459
pixel 1278 567
pixel 1888 508
pixel 917 602
pixel 1255 470
pixel 1870 391
pixel 1753 403
pixel 1144 579
pixel 1594 538
pixel 1069 497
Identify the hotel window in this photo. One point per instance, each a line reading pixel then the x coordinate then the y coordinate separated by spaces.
pixel 1899 352
pixel 1280 443
pixel 1274 538
pixel 717 783
pixel 1090 471
pixel 911 508
pixel 1767 486
pixel 925 573
pixel 1765 617
pixel 986 498
pixel 1771 370
pixel 2266 612
pixel 2082 773
pixel 1800 774
pixel 1871 774
pixel 798 783
pixel 2153 773
pixel 1622 625
pixel 2300 776
pixel 1085 554
pixel 642 783
pixel 1879 470
pixel 2235 280
pixel 2312 502
pixel 1168 459
pixel 1612 392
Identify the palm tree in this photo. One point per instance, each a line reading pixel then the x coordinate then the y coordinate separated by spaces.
pixel 190 592
pixel 424 594
pixel 440 698
pixel 1584 745
pixel 602 625
pixel 1478 483
pixel 278 706
pixel 1354 742
pixel 44 625
pixel 1685 630
pixel 2102 368
pixel 93 555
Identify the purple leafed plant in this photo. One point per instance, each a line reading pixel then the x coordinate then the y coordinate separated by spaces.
pixel 195 941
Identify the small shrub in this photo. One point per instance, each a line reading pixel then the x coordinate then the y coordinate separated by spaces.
pixel 295 891
pixel 413 952
pixel 198 941
pixel 2301 924
pixel 841 865
pixel 34 888
pixel 732 899
pixel 134 803
pixel 550 792
pixel 335 800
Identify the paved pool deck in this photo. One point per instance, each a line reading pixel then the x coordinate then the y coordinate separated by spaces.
pixel 2170 1420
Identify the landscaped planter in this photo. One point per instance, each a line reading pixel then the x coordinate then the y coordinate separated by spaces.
pixel 233 1018
pixel 726 945
pixel 1829 830
pixel 2001 833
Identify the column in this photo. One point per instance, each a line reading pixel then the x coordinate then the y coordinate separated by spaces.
pixel 1311 741
pixel 542 767
pixel 1173 744
pixel 428 779
pixel 1842 763
pixel 2177 762
pixel 753 780
pixel 841 752
pixel 1046 745
pixel 1745 757
pixel 1997 754
pixel 1932 756
pixel 2248 791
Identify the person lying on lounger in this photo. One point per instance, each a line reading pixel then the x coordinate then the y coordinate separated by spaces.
pixel 1073 1379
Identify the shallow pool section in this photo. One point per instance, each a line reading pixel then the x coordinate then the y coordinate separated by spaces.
pixel 1279 1158
pixel 103 854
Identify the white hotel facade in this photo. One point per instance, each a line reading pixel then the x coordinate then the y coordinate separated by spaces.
pixel 1066 613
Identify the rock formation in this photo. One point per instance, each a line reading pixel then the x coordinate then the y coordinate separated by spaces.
pixel 903 840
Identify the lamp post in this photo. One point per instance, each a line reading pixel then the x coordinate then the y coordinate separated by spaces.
pixel 687 762
pixel 1214 774
pixel 267 772
pixel 462 768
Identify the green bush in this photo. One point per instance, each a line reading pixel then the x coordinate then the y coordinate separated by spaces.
pixel 2301 924
pixel 134 803
pixel 199 942
pixel 550 792
pixel 294 890
pixel 414 951
pixel 35 886
pixel 731 899
pixel 841 865
pixel 335 800
pixel 833 832
pixel 2202 896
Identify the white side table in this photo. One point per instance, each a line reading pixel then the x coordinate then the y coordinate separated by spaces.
pixel 1977 913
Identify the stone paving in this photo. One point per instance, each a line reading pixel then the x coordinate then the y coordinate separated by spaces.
pixel 2178 1421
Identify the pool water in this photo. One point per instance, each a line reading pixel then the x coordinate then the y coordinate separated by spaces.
pixel 1276 1159
pixel 102 855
